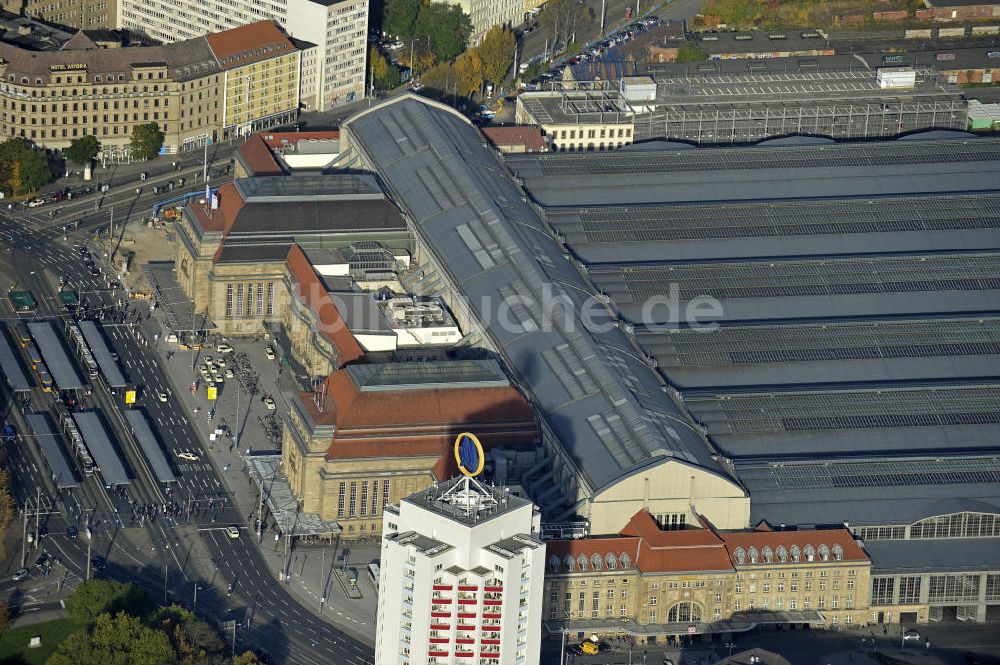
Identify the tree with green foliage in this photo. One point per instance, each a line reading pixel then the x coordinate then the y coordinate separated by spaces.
pixel 35 171
pixel 83 149
pixel 400 17
pixel 691 52
pixel 496 52
pixel 96 597
pixel 247 658
pixel 22 168
pixel 115 640
pixel 146 140
pixel 446 26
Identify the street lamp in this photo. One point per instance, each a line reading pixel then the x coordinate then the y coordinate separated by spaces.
pixel 413 69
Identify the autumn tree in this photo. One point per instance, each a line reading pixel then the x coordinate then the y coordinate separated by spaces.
pixel 4 617
pixel 468 70
pixel 247 658
pixel 496 52
pixel 22 168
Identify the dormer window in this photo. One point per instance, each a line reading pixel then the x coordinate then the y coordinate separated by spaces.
pixel 741 555
pixel 782 554
pixel 824 552
pixel 754 555
pixel 810 553
pixel 768 554
pixel 838 552
pixel 796 553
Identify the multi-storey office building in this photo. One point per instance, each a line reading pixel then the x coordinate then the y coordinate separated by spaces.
pixel 81 14
pixel 461 580
pixel 338 29
pixel 190 89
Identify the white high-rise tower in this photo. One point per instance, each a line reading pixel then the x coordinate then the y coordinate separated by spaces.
pixel 462 571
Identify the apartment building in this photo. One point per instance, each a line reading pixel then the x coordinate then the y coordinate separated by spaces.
pixel 334 75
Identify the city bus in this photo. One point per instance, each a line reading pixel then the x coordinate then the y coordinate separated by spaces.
pixel 373 573
pixel 33 355
pixel 44 378
pixel 22 334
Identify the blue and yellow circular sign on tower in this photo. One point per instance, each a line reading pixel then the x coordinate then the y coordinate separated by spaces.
pixel 469 454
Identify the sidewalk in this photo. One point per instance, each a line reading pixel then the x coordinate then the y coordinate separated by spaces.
pixel 311 569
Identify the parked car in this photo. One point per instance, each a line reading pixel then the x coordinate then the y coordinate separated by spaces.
pixel 911 636
pixel 223 348
pixel 34 203
pixel 269 403
pixel 20 574
pixel 269 352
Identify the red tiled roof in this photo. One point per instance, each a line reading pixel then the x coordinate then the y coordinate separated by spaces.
pixel 517 135
pixel 643 525
pixel 690 550
pixel 248 44
pixel 221 220
pixel 418 422
pixel 773 539
pixel 329 322
pixel 602 546
pixel 683 558
pixel 258 158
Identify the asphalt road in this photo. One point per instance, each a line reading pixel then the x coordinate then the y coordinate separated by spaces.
pixel 534 43
pixel 169 557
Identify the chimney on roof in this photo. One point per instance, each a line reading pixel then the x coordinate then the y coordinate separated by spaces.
pixel 24 30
